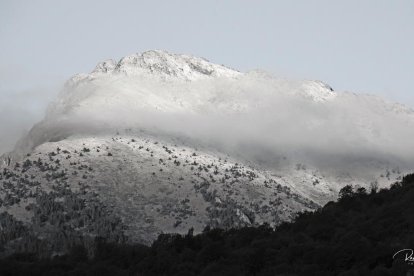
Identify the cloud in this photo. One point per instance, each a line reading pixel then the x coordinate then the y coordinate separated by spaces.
pixel 19 110
pixel 24 96
pixel 257 117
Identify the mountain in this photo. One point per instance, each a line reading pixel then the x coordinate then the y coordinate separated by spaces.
pixel 161 142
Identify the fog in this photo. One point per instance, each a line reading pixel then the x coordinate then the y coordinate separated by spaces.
pixel 256 117
pixel 24 96
pixel 19 110
pixel 352 45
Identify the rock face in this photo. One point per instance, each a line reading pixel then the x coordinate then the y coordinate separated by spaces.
pixel 160 142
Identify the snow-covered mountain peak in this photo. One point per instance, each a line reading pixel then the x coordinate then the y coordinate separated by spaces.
pixel 186 70
pixel 106 66
pixel 166 66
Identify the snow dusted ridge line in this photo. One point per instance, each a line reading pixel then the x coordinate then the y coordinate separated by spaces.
pixel 161 64
pixel 168 67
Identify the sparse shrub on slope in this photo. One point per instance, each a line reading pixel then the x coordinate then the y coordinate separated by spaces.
pixel 357 235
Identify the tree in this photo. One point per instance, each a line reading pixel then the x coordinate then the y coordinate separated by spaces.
pixel 346 191
pixel 361 191
pixel 374 187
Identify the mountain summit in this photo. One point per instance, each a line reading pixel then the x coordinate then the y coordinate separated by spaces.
pixel 165 65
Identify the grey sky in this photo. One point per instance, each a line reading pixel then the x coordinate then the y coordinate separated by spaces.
pixel 360 46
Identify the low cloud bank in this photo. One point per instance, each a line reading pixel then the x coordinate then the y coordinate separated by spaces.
pixel 19 110
pixel 257 117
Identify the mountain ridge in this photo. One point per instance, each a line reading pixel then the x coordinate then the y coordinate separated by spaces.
pixel 162 64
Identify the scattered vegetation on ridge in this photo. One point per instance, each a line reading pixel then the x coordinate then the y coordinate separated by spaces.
pixel 358 235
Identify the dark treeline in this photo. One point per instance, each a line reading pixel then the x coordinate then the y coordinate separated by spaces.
pixel 358 235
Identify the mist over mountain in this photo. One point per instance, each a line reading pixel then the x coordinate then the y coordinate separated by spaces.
pixel 187 96
pixel 161 142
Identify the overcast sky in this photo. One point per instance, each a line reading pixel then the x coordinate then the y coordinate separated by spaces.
pixel 359 46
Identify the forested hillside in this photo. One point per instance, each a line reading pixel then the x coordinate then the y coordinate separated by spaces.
pixel 358 235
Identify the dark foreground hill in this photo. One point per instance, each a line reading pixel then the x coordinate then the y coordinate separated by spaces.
pixel 358 235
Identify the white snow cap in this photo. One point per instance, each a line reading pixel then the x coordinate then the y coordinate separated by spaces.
pixel 166 65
